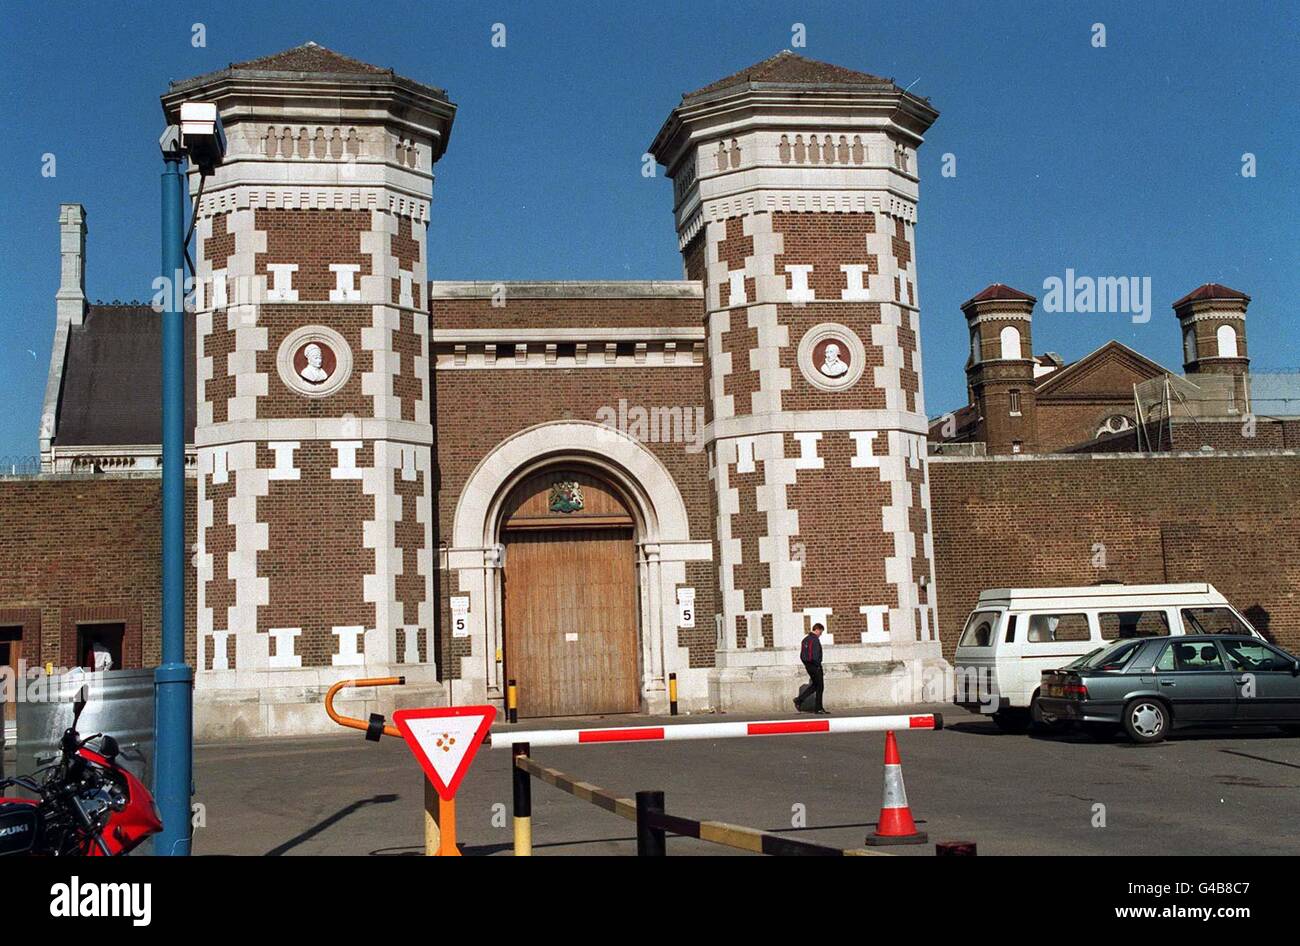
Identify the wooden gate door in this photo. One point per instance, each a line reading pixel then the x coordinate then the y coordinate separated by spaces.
pixel 11 652
pixel 571 621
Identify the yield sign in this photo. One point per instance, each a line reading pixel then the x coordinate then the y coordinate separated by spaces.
pixel 444 741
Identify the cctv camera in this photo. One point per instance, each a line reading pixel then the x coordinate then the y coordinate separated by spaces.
pixel 202 136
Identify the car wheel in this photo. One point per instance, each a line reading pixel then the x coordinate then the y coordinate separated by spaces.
pixel 1012 720
pixel 1146 720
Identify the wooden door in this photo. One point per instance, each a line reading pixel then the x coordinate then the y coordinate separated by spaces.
pixel 11 652
pixel 571 621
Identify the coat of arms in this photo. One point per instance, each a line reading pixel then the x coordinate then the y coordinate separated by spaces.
pixel 566 496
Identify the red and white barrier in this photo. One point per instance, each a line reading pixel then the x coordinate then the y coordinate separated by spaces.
pixel 775 727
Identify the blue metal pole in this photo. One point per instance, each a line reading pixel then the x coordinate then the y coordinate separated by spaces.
pixel 173 766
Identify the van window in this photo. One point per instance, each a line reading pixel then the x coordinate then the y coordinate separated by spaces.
pixel 979 629
pixel 1050 628
pixel 1122 625
pixel 1212 621
pixel 1011 629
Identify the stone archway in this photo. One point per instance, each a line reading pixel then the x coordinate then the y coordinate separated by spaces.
pixel 662 541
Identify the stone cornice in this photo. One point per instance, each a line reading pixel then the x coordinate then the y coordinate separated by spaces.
pixel 569 289
pixel 791 107
pixel 255 95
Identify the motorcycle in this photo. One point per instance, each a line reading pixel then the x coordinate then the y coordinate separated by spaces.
pixel 85 804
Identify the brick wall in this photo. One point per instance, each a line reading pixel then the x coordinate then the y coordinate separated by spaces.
pixel 81 549
pixel 476 410
pixel 534 313
pixel 1232 520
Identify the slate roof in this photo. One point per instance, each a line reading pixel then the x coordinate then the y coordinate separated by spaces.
pixel 310 57
pixel 790 68
pixel 998 291
pixel 1211 290
pixel 112 378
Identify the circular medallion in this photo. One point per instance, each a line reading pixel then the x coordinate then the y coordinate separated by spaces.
pixel 314 360
pixel 831 356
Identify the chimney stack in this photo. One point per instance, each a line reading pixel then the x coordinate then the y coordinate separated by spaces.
pixel 70 310
pixel 71 296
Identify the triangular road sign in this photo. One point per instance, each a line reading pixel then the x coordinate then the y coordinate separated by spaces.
pixel 444 740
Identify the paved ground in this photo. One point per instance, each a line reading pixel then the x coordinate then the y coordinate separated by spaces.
pixel 1219 793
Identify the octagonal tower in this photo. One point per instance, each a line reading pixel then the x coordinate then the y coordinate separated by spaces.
pixel 795 190
pixel 314 540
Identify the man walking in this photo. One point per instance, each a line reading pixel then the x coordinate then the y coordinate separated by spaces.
pixel 810 652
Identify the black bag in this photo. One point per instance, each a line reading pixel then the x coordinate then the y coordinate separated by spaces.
pixel 806 699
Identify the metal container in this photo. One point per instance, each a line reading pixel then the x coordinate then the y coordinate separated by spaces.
pixel 120 704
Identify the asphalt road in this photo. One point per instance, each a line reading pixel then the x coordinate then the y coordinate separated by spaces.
pixel 1216 793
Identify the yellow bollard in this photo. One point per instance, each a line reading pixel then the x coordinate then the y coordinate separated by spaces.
pixel 523 837
pixel 522 790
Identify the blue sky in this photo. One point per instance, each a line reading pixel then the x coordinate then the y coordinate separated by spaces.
pixel 1116 161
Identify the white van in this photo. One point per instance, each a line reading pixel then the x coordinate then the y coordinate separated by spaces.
pixel 1014 634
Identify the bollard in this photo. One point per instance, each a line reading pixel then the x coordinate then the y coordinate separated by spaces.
pixel 672 694
pixel 650 840
pixel 523 800
pixel 512 702
pixel 955 849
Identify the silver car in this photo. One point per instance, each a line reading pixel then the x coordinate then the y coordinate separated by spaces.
pixel 1151 685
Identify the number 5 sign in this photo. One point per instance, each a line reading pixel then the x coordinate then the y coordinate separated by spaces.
pixel 685 607
pixel 460 616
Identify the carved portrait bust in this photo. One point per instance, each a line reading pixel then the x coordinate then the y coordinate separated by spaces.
pixel 313 371
pixel 832 366
pixel 831 356
pixel 314 361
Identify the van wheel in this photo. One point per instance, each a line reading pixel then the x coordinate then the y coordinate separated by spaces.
pixel 1012 720
pixel 1146 720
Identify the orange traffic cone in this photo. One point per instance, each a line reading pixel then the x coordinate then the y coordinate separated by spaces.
pixel 896 825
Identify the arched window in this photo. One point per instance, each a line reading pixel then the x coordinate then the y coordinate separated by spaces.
pixel 1227 341
pixel 1189 346
pixel 975 346
pixel 1011 343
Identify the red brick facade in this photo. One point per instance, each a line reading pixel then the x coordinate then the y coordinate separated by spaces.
pixel 479 409
pixel 79 550
pixel 1233 521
